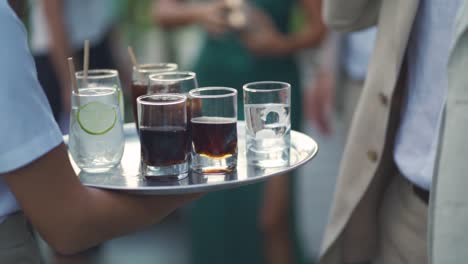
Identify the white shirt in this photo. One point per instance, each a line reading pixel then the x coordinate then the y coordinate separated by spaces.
pixel 27 127
pixel 84 19
pixel 428 53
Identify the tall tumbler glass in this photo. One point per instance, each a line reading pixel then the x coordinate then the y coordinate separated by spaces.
pixel 140 80
pixel 214 129
pixel 96 140
pixel 102 78
pixel 268 123
pixel 165 147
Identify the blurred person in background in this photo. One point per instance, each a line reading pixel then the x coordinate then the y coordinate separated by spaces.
pixel 19 6
pixel 401 194
pixel 58 30
pixel 225 226
pixel 340 78
pixel 329 106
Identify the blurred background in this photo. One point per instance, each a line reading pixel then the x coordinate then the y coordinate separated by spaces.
pixel 277 222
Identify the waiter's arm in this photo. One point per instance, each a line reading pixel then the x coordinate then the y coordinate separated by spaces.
pixel 72 217
pixel 350 15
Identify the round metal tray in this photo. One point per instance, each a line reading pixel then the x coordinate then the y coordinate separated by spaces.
pixel 126 177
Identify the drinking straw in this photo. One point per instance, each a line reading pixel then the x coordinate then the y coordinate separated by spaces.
pixel 134 61
pixel 71 69
pixel 85 63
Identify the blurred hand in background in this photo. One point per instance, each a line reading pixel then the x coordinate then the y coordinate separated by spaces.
pixel 210 15
pixel 319 102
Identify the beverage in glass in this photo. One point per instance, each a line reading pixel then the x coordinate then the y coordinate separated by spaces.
pixel 181 82
pixel 140 80
pixel 96 139
pixel 103 78
pixel 268 126
pixel 164 140
pixel 172 82
pixel 214 129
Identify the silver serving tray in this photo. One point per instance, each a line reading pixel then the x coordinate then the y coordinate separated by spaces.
pixel 126 177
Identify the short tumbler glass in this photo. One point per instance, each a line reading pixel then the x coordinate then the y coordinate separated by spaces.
pixel 140 80
pixel 268 123
pixel 172 82
pixel 165 145
pixel 178 82
pixel 214 129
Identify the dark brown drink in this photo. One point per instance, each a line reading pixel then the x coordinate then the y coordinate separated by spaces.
pixel 194 107
pixel 214 137
pixel 164 146
pixel 161 89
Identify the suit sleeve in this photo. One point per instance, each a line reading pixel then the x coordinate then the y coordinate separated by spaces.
pixel 448 220
pixel 350 15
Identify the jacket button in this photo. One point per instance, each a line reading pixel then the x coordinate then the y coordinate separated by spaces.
pixel 383 99
pixel 372 156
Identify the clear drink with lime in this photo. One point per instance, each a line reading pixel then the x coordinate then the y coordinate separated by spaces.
pixel 102 78
pixel 96 140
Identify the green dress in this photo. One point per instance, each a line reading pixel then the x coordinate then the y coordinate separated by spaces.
pixel 224 225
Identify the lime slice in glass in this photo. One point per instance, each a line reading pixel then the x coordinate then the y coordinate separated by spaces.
pixel 96 118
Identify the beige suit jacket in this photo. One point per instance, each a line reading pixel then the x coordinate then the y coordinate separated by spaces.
pixel 367 163
pixel 448 219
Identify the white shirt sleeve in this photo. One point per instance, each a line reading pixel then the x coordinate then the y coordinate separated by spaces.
pixel 27 127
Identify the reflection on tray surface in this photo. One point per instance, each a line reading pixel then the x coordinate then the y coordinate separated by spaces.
pixel 127 176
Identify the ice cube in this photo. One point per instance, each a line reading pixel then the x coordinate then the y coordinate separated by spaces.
pixel 265 133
